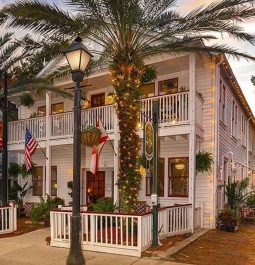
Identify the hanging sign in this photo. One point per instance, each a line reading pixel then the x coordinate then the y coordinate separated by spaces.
pixel 148 141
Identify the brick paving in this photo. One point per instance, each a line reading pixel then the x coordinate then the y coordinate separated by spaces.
pixel 220 248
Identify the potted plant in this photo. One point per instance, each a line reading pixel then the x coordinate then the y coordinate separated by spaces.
pixel 26 100
pixel 227 220
pixel 204 161
pixel 250 201
pixel 91 136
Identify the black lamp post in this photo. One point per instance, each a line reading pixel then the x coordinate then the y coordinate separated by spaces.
pixel 4 188
pixel 78 58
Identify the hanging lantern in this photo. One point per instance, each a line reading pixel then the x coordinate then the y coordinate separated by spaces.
pixel 91 136
pixel 180 166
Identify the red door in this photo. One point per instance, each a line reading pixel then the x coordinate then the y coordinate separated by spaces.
pixel 95 186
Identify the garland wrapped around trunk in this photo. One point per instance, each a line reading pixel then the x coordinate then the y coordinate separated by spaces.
pixel 126 79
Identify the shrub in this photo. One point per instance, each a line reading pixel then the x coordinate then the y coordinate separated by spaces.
pixel 42 209
pixel 227 218
pixel 251 200
pixel 103 205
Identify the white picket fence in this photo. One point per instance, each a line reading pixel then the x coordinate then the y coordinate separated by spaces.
pixel 119 233
pixel 8 219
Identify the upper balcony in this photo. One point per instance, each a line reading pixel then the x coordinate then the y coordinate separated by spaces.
pixel 174 111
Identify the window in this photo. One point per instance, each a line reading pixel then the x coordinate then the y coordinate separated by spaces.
pixel 178 174
pixel 42 111
pixel 234 119
pixel 95 186
pixel 98 100
pixel 57 108
pixel 148 90
pixel 222 101
pixel 243 130
pixel 168 86
pixel 54 181
pixel 161 182
pixel 38 182
pixel 250 138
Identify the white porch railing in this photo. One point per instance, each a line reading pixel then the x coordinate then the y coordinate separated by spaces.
pixel 119 233
pixel 62 124
pixel 8 219
pixel 89 117
pixel 16 129
pixel 173 109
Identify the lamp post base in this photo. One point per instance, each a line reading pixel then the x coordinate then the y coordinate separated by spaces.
pixel 75 256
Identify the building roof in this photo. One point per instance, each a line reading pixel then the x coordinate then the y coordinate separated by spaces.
pixel 237 88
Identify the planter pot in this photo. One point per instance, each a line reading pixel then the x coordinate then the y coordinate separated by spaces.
pixel 228 228
pixel 90 138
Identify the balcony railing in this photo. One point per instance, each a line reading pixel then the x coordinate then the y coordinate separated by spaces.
pixel 16 130
pixel 173 110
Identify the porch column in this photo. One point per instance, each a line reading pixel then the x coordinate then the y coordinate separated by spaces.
pixel 192 136
pixel 48 148
pixel 116 160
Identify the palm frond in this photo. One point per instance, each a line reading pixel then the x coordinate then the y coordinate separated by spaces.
pixel 41 17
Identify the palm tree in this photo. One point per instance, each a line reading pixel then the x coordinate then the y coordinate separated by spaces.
pixel 128 31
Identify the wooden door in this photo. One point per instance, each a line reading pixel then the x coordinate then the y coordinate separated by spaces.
pixel 95 186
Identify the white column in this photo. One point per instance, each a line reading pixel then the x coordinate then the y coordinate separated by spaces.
pixel 48 148
pixel 116 159
pixel 192 136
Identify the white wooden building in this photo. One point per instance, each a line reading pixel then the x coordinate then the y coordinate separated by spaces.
pixel 202 107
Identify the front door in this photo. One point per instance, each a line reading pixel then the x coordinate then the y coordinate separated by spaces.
pixel 95 186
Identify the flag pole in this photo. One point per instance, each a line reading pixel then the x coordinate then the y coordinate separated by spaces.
pixel 42 151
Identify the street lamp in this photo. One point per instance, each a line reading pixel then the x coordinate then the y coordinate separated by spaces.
pixel 78 58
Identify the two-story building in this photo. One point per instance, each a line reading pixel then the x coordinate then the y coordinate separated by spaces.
pixel 202 108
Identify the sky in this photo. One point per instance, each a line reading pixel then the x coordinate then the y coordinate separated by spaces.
pixel 242 68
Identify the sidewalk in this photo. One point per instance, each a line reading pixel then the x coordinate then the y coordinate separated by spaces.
pixel 31 249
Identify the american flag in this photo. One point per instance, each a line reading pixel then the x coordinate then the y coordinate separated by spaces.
pixel 30 146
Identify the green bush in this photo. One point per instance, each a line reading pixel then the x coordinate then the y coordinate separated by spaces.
pixel 251 200
pixel 227 218
pixel 42 209
pixel 103 205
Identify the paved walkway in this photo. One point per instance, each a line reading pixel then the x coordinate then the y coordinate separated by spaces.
pixel 31 249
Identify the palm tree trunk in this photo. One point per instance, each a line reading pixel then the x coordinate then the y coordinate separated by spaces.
pixel 126 81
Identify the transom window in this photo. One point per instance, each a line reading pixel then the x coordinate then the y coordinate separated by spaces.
pixel 178 174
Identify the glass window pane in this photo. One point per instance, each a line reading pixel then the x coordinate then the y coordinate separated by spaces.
pixel 42 111
pixel 53 181
pixel 148 90
pixel 38 182
pixel 57 108
pixel 178 176
pixel 168 86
